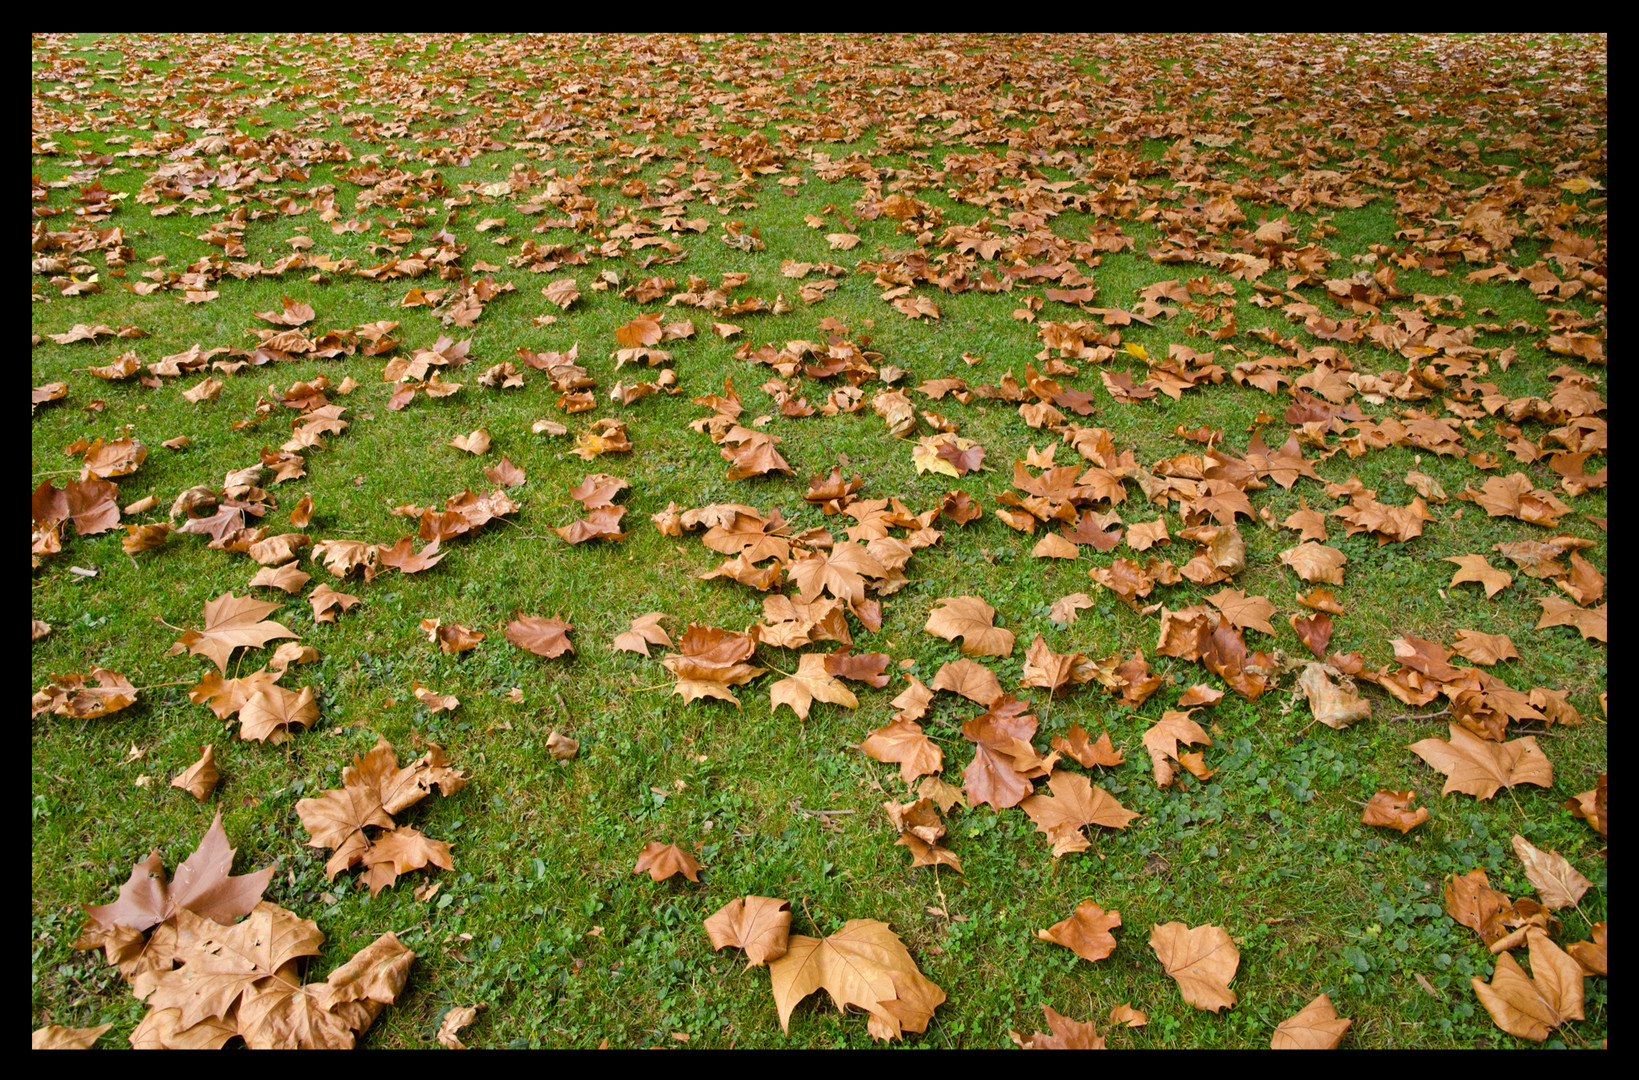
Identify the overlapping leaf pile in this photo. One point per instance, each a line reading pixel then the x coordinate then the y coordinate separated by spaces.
pixel 1019 179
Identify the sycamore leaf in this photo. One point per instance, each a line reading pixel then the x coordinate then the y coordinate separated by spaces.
pixel 902 742
pixel 1067 1034
pixel 449 1029
pixel 1244 612
pixel 1315 1027
pixel 1316 562
pixel 202 885
pixel 972 620
pixel 1589 622
pixel 1075 802
pixel 1333 705
pixel 400 851
pixel 1556 880
pixel 272 711
pixel 1532 1006
pixel 761 925
pixel 1475 568
pixel 231 621
pixel 543 637
pixel 1162 740
pixel 969 678
pixel 1201 959
pixel 1076 743
pixel 646 630
pixel 664 860
pixel 810 683
pixel 864 964
pixel 1085 933
pixel 1478 767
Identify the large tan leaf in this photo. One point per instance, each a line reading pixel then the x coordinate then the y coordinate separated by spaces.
pixel 203 885
pixel 761 925
pixel 810 683
pixel 1391 810
pixel 1532 1006
pixel 1162 740
pixel 864 964
pixel 400 851
pixel 199 779
pixel 1556 880
pixel 904 743
pixel 1201 959
pixel 272 711
pixel 226 962
pixel 1085 933
pixel 973 621
pixel 1075 803
pixel 1478 767
pixel 543 637
pixel 969 678
pixel 1315 1027
pixel 232 621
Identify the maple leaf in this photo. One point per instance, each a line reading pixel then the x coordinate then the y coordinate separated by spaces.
pixel 70 696
pixel 761 925
pixel 1316 562
pixel 810 683
pixel 1479 767
pixel 645 631
pixel 904 743
pixel 202 885
pixel 400 851
pixel 1076 744
pixel 230 622
pixel 1067 1034
pixel 1075 803
pixel 1086 932
pixel 1244 611
pixel 664 860
pixel 543 637
pixel 1556 880
pixel 709 660
pixel 1590 805
pixel 453 638
pixel 1589 622
pixel 1314 1027
pixel 842 573
pixel 1532 1006
pixel 864 964
pixel 1201 959
pixel 1475 568
pixel 972 620
pixel 1162 740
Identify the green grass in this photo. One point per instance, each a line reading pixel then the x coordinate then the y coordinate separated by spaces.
pixel 542 919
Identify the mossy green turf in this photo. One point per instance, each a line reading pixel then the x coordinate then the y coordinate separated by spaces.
pixel 542 919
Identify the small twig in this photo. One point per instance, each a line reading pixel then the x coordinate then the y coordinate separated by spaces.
pixel 820 813
pixel 644 689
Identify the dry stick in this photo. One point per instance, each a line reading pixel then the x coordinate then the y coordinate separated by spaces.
pixel 1421 716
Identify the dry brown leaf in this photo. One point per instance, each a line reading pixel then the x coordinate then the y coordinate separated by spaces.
pixel 761 925
pixel 1532 1006
pixel 863 964
pixel 1479 767
pixel 1391 810
pixel 1201 959
pixel 1315 1027
pixel 664 860
pixel 1556 879
pixel 1086 932
pixel 199 779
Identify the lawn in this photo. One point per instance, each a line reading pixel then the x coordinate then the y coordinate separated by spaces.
pixel 954 401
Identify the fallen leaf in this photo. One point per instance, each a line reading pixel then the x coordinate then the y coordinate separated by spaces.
pixel 761 925
pixel 1315 1027
pixel 664 860
pixel 1201 959
pixel 199 779
pixel 1086 932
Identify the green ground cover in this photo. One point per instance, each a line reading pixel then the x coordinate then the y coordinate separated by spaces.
pixel 1389 248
